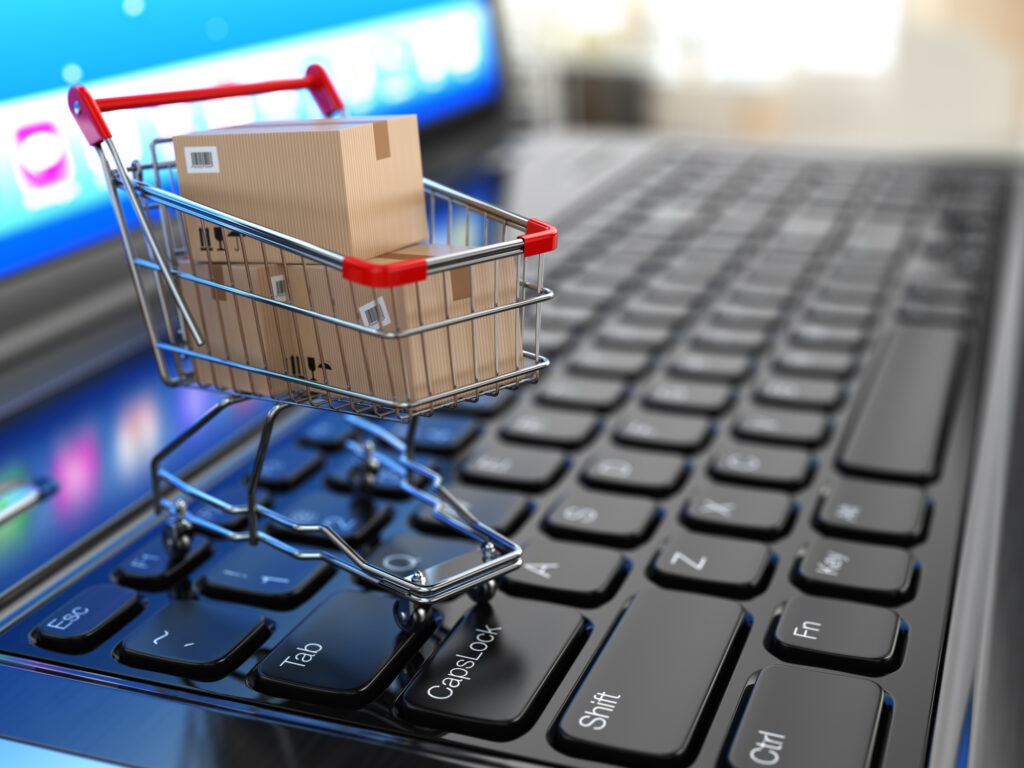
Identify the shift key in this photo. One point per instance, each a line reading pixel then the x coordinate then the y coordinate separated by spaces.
pixel 496 669
pixel 651 690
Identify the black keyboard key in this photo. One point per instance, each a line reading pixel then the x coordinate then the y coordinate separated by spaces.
pixel 89 618
pixel 634 471
pixel 262 575
pixel 688 397
pixel 788 468
pixel 713 564
pixel 488 405
pixel 730 368
pixel 547 426
pixel 552 340
pixel 762 514
pixel 195 639
pixel 153 567
pixel 803 362
pixel 869 572
pixel 288 465
pixel 874 510
pixel 344 654
pixel 327 432
pixel 674 432
pixel 779 425
pixel 923 314
pixel 496 669
pixel 568 317
pixel 567 573
pixel 617 333
pixel 840 315
pixel 233 493
pixel 834 633
pixel 803 718
pixel 406 553
pixel 594 361
pixel 736 340
pixel 442 433
pixel 748 295
pixel 738 316
pixel 800 393
pixel 637 311
pixel 829 337
pixel 603 518
pixel 912 387
pixel 512 466
pixel 348 472
pixel 641 702
pixel 582 393
pixel 355 519
pixel 500 510
pixel 843 294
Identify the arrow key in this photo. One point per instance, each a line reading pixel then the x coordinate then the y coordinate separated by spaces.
pixel 263 576
pixel 713 564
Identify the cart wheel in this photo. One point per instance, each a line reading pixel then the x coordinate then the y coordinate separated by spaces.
pixel 177 534
pixel 482 593
pixel 410 615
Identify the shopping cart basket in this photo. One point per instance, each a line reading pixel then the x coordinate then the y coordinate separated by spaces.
pixel 238 325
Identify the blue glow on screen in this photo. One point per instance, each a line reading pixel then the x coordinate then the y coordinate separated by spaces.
pixel 435 59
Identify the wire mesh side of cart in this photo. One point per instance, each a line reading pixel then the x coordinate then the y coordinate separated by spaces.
pixel 287 321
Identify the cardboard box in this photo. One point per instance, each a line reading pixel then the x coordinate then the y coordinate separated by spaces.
pixel 394 369
pixel 242 330
pixel 351 185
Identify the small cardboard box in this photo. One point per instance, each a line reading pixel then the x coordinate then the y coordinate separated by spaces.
pixel 395 369
pixel 351 185
pixel 240 329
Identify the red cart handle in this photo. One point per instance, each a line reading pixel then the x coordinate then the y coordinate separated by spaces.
pixel 88 112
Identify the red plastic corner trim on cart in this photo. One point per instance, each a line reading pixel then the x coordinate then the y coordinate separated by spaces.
pixel 540 237
pixel 88 115
pixel 383 275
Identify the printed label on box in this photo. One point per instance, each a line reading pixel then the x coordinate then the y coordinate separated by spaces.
pixel 375 314
pixel 202 160
pixel 278 290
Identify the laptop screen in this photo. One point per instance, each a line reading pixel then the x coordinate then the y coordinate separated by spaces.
pixel 435 58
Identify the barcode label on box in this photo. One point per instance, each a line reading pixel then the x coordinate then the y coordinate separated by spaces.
pixel 278 289
pixel 375 314
pixel 202 160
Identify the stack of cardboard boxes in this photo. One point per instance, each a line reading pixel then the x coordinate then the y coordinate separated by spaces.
pixel 355 187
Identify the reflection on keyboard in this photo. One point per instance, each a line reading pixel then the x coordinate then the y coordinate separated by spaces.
pixel 739 490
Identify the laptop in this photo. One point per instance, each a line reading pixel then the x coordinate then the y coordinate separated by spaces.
pixel 765 490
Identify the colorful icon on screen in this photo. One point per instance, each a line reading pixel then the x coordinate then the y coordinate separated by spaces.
pixel 43 166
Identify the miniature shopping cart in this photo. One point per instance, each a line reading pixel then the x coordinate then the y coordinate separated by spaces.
pixel 238 322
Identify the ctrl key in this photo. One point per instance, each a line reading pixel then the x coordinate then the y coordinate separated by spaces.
pixel 800 717
pixel 495 670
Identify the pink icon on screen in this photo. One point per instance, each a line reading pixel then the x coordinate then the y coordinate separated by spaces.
pixel 42 155
pixel 43 166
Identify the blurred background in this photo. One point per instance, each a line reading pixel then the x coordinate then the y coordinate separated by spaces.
pixel 907 74
pixel 921 74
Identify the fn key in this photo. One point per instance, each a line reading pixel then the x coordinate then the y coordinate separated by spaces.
pixel 801 717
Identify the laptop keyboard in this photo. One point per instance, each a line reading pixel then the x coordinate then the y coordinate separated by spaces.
pixel 739 489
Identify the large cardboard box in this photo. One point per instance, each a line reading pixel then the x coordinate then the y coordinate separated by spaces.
pixel 394 369
pixel 351 185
